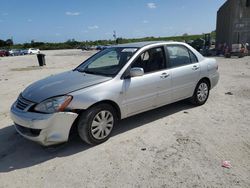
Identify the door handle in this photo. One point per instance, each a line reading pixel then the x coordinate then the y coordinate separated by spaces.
pixel 164 75
pixel 195 67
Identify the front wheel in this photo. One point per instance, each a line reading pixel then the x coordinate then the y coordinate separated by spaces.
pixel 96 124
pixel 201 93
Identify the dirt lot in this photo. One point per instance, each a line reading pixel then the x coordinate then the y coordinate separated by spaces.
pixel 174 146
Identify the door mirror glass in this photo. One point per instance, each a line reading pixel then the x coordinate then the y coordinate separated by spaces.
pixel 136 71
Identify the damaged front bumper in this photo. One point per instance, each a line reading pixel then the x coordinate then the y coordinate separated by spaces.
pixel 46 129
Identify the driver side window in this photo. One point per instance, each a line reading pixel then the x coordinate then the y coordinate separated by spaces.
pixel 151 60
pixel 109 59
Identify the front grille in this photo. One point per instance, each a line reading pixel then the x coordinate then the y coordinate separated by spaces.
pixel 23 104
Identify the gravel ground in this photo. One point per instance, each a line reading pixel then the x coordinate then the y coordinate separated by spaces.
pixel 177 145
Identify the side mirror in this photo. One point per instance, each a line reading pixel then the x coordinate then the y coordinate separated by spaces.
pixel 136 71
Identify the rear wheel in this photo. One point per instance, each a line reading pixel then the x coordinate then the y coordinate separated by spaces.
pixel 201 93
pixel 96 124
pixel 241 55
pixel 228 55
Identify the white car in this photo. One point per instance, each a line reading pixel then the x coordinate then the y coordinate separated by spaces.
pixel 113 84
pixel 33 51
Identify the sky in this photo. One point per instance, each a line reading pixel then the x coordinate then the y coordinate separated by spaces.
pixel 60 20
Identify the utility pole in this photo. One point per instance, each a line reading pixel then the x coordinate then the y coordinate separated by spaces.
pixel 115 37
pixel 114 34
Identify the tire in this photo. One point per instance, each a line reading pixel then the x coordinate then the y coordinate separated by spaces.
pixel 201 93
pixel 241 55
pixel 228 55
pixel 95 125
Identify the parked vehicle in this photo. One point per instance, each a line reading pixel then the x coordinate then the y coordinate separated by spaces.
pixel 88 48
pixel 33 51
pixel 24 52
pixel 239 50
pixel 113 84
pixel 15 52
pixel 4 53
pixel 101 47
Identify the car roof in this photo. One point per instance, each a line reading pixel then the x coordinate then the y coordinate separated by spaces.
pixel 149 43
pixel 142 44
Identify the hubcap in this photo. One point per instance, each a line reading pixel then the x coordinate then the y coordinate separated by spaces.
pixel 102 125
pixel 202 92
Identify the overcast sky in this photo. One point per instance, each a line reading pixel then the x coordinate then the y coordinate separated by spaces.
pixel 60 20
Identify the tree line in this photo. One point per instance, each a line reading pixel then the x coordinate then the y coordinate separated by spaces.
pixel 6 43
pixel 73 44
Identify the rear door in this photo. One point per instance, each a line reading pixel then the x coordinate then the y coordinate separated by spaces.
pixel 185 71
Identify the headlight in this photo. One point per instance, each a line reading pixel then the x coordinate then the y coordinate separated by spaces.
pixel 56 104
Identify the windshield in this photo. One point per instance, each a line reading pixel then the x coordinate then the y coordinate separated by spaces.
pixel 107 62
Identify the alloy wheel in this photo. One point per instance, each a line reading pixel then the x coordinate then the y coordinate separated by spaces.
pixel 202 92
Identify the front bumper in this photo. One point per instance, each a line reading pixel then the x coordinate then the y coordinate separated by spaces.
pixel 46 129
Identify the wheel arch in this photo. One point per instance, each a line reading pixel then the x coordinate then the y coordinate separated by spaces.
pixel 111 103
pixel 207 80
pixel 73 128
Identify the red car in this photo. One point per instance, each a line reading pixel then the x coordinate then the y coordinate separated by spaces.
pixel 4 53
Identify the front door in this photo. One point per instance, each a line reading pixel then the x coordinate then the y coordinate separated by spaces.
pixel 142 92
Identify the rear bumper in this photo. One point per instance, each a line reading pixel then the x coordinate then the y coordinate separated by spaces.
pixel 46 129
pixel 214 78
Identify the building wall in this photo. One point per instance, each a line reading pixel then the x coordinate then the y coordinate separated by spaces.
pixel 223 28
pixel 233 23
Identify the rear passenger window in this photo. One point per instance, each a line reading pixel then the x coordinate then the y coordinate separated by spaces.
pixel 180 56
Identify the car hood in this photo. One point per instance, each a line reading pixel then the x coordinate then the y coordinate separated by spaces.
pixel 61 84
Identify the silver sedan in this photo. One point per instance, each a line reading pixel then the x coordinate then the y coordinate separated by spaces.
pixel 113 84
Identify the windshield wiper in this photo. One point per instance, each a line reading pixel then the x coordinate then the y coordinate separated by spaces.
pixel 96 72
pixel 93 72
pixel 86 71
pixel 89 72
